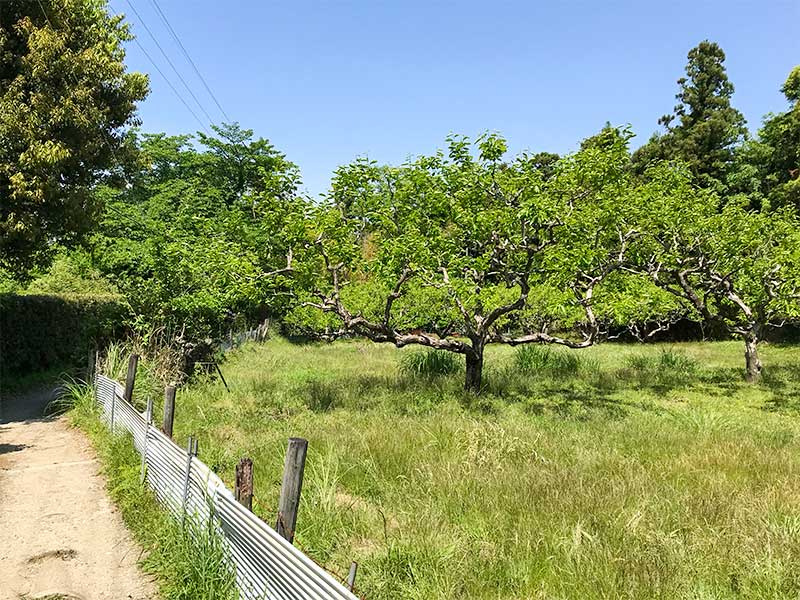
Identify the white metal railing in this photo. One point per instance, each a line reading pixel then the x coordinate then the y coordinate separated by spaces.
pixel 267 566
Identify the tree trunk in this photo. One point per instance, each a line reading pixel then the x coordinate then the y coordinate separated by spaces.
pixel 474 370
pixel 752 362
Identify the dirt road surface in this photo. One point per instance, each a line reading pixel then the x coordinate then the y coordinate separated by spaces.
pixel 61 537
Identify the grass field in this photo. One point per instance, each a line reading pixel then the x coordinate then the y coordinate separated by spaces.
pixel 621 471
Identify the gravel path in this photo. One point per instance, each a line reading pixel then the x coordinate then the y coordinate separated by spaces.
pixel 61 536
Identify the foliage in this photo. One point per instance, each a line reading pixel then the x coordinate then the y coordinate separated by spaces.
pixel 237 196
pixel 703 128
pixel 65 99
pixel 480 242
pixel 71 273
pixel 769 166
pixel 733 267
pixel 47 331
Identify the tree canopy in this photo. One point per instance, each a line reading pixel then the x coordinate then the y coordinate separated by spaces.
pixel 65 101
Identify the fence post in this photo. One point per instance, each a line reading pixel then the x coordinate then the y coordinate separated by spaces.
pixel 191 447
pixel 351 576
pixel 148 420
pixel 244 483
pixel 91 363
pixel 169 410
pixel 130 380
pixel 291 487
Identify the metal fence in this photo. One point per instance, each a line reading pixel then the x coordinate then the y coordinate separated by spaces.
pixel 267 566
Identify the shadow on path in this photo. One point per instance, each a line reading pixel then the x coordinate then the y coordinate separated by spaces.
pixel 27 405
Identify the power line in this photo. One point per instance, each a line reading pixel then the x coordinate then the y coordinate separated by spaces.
pixel 169 61
pixel 189 58
pixel 169 83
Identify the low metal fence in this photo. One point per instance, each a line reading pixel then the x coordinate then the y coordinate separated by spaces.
pixel 267 566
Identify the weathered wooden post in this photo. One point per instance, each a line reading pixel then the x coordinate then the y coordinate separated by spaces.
pixel 169 410
pixel 244 483
pixel 130 380
pixel 351 576
pixel 291 487
pixel 91 365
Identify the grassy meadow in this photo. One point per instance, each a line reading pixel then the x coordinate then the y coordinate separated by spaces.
pixel 619 471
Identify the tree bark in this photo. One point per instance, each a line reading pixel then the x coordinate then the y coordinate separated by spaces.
pixel 474 375
pixel 751 359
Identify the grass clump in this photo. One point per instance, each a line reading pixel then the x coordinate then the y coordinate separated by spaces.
pixel 430 363
pixel 189 562
pixel 546 361
pixel 667 369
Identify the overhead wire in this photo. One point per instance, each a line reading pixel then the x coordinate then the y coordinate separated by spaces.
pixel 169 83
pixel 169 60
pixel 189 58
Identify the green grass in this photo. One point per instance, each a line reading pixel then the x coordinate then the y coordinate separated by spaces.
pixel 189 562
pixel 619 471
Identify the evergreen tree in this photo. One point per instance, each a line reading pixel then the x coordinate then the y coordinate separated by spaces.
pixel 704 128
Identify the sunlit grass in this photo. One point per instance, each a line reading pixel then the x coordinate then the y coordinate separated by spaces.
pixel 644 472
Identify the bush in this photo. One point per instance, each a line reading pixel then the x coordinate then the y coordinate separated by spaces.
pixel 430 363
pixel 39 332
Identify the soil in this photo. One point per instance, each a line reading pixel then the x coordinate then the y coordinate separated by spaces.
pixel 60 534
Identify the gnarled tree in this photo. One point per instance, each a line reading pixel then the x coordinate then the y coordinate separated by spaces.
pixel 485 246
pixel 733 268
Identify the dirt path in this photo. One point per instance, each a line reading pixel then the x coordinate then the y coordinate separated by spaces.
pixel 61 537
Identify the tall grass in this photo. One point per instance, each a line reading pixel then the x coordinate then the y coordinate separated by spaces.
pixel 580 482
pixel 547 361
pixel 189 562
pixel 430 363
pixel 668 368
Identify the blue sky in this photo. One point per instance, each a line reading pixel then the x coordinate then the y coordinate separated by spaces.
pixel 329 81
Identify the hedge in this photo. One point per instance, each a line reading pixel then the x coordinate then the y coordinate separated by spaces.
pixel 39 332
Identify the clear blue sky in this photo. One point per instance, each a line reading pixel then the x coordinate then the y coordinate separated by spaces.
pixel 329 81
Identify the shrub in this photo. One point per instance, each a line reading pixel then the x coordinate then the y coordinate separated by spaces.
pixel 41 332
pixel 430 363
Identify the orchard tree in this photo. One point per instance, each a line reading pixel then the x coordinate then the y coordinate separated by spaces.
pixel 731 267
pixel 460 250
pixel 703 129
pixel 65 101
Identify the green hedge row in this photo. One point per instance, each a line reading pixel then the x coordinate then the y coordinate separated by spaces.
pixel 41 332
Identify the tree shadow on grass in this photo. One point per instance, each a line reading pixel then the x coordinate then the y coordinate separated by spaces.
pixel 783 383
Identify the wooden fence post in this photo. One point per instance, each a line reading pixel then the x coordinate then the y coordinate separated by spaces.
pixel 291 487
pixel 169 410
pixel 244 483
pixel 91 364
pixel 130 380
